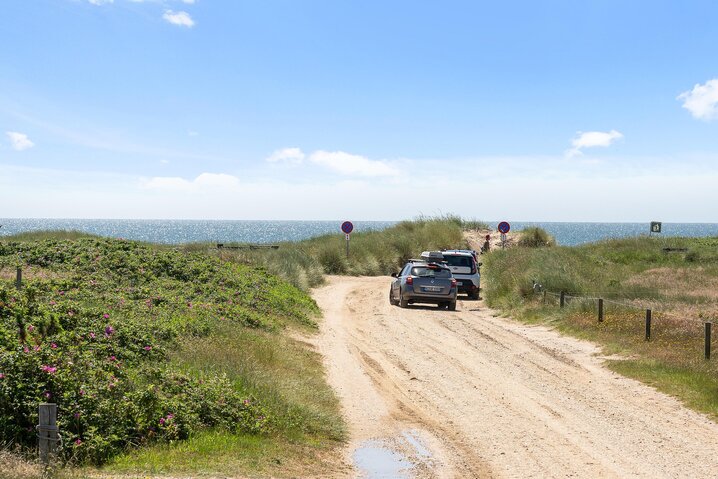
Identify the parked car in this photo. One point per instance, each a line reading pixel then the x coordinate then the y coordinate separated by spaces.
pixel 466 269
pixel 423 282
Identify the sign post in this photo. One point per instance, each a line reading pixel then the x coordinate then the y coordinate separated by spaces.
pixel 655 227
pixel 504 227
pixel 347 228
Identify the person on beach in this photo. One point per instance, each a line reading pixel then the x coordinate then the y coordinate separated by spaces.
pixel 486 246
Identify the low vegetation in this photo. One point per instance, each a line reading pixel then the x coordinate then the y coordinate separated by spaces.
pixel 151 347
pixel 372 253
pixel 677 278
pixel 535 237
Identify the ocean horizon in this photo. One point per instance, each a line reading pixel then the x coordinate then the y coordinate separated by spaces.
pixel 273 231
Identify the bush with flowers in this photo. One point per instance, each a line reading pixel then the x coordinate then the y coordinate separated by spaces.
pixel 94 337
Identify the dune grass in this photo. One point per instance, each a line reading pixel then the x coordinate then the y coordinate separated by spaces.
pixel 679 286
pixel 371 253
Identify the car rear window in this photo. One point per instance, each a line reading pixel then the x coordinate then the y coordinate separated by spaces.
pixel 426 272
pixel 459 261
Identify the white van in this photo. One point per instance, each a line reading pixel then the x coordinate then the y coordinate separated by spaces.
pixel 465 269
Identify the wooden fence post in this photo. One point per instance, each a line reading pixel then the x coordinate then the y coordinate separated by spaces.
pixel 47 432
pixel 708 340
pixel 600 310
pixel 648 325
pixel 18 278
pixel 563 299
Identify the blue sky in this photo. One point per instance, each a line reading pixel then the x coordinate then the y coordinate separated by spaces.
pixel 555 110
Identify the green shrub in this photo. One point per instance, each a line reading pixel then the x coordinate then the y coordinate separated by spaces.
pixel 333 260
pixel 535 237
pixel 94 338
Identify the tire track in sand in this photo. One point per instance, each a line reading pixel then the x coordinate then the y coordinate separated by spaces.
pixel 494 398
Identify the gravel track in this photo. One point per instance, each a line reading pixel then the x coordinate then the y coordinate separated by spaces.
pixel 490 397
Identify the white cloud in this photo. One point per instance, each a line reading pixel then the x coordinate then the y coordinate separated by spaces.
pixel 592 139
pixel 188 2
pixel 183 19
pixel 216 180
pixel 19 141
pixel 355 165
pixel 702 101
pixel 100 2
pixel 292 156
pixel 205 181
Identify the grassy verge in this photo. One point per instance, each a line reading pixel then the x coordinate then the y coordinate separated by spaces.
pixel 679 286
pixel 160 361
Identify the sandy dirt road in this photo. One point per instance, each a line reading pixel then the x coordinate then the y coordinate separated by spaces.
pixel 489 397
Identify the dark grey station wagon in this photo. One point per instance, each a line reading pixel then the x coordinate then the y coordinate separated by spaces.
pixel 423 282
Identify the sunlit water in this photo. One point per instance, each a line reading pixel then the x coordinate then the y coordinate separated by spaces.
pixel 189 231
pixel 186 231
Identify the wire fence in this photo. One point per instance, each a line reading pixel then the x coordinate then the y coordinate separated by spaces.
pixel 596 299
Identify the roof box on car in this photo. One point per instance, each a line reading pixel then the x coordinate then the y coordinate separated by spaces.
pixel 432 256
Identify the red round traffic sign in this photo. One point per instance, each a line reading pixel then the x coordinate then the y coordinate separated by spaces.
pixel 347 227
pixel 504 227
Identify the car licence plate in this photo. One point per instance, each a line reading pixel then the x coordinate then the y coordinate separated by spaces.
pixel 459 283
pixel 432 288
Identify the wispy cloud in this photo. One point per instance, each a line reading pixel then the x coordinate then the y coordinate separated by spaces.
pixel 354 165
pixel 702 101
pixel 181 18
pixel 592 139
pixel 205 181
pixel 292 156
pixel 94 138
pixel 100 2
pixel 19 141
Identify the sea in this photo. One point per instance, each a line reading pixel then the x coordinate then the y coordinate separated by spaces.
pixel 269 232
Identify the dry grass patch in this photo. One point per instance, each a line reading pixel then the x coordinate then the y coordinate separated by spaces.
pixel 15 466
pixel 679 283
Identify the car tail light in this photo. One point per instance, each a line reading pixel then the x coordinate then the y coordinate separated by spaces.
pixel 409 280
pixel 453 283
pixel 473 267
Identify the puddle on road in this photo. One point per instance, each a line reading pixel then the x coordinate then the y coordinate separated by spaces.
pixel 385 459
pixel 375 460
pixel 416 444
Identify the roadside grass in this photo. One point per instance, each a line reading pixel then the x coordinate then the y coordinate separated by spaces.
pixel 216 453
pixel 638 274
pixel 289 377
pixel 372 253
pixel 285 372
